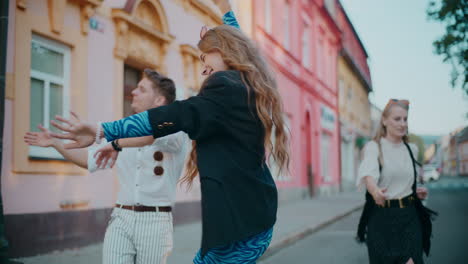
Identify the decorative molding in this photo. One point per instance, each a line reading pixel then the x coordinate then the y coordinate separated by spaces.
pixel 87 10
pixel 56 9
pixel 56 14
pixel 21 4
pixel 210 16
pixel 192 69
pixel 121 28
pixel 189 49
pixel 141 38
pixel 143 11
pixel 137 25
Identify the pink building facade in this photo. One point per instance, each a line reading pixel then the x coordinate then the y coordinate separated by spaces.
pixel 85 56
pixel 301 41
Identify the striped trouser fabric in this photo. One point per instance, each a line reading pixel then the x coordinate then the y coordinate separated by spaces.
pixel 138 237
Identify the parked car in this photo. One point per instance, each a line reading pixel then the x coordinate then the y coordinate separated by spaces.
pixel 430 173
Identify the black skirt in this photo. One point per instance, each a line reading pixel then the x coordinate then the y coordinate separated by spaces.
pixel 394 236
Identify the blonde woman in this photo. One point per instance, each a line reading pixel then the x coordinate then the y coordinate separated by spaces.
pixel 230 122
pixel 394 224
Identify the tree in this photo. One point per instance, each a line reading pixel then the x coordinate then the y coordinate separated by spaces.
pixel 419 142
pixel 453 46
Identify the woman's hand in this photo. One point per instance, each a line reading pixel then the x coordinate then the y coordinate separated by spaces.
pixel 106 153
pixel 379 196
pixel 422 193
pixel 223 5
pixel 82 133
pixel 40 139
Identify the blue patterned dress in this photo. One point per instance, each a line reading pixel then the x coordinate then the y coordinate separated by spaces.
pixel 245 251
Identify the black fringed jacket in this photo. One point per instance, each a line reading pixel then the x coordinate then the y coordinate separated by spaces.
pixel 239 196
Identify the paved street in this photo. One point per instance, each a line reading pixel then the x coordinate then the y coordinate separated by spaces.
pixel 296 219
pixel 336 244
pixel 317 241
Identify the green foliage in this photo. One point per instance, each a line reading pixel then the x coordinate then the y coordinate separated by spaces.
pixel 361 141
pixel 453 46
pixel 420 144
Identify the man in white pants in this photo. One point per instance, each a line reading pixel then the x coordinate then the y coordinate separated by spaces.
pixel 140 229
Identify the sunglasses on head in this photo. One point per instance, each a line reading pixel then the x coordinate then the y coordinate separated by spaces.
pixel 402 103
pixel 397 101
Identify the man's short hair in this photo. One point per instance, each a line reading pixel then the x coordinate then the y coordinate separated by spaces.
pixel 162 84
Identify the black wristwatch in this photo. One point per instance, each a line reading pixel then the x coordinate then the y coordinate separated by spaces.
pixel 115 145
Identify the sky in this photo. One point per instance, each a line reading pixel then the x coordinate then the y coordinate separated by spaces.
pixel 398 38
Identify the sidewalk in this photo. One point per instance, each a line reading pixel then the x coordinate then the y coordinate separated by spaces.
pixel 296 219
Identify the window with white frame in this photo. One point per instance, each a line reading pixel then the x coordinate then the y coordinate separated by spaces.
pixel 50 88
pixel 268 16
pixel 306 46
pixel 286 25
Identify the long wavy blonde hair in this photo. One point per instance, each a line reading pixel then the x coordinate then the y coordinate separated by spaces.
pixel 382 130
pixel 240 53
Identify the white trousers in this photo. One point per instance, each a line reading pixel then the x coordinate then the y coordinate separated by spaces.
pixel 138 237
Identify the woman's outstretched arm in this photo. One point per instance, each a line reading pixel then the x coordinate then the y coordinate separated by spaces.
pixel 228 15
pixel 199 116
pixel 84 134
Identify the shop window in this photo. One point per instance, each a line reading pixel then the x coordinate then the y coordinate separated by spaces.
pixel 325 151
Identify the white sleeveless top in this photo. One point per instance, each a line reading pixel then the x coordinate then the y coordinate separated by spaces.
pixel 397 168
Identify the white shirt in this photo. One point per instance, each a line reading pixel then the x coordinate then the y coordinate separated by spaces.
pixel 139 185
pixel 397 169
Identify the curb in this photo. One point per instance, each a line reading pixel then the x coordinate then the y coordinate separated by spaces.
pixel 294 237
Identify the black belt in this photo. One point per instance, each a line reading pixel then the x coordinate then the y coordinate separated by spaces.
pixel 142 208
pixel 398 203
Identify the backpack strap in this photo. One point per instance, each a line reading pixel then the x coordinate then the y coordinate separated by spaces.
pixel 414 162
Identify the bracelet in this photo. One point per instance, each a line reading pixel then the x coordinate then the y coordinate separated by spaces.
pixel 115 145
pixel 98 133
